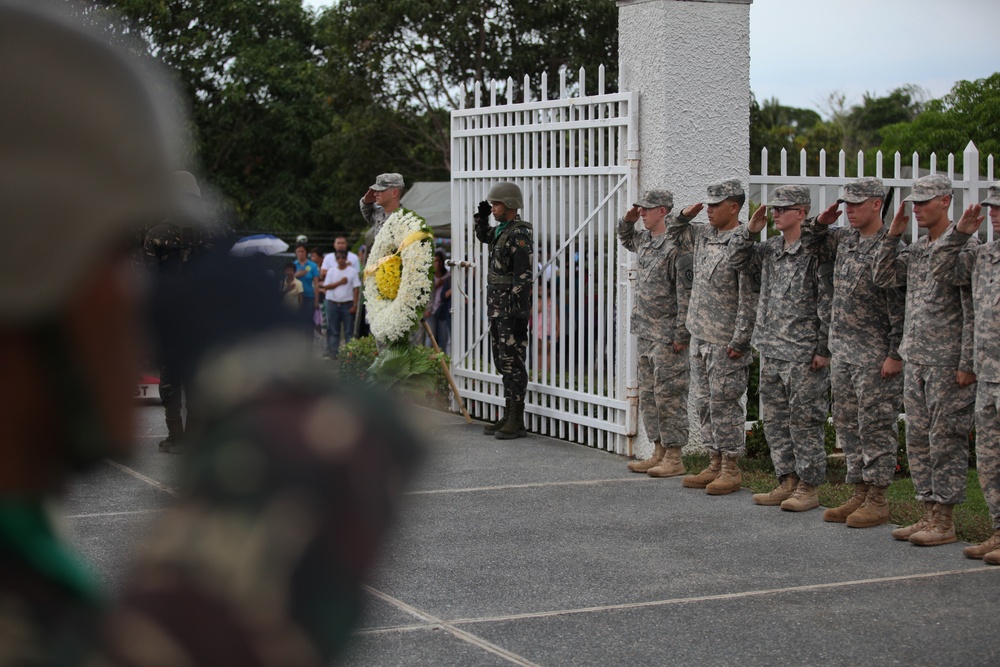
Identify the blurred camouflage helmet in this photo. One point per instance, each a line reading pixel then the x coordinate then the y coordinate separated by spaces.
pixel 85 157
pixel 506 193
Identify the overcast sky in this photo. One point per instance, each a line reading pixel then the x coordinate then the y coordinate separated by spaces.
pixel 803 50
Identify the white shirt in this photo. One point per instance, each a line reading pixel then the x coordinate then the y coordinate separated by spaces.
pixel 343 292
pixel 330 262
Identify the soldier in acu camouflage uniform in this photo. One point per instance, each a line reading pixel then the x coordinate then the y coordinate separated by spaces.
pixel 865 330
pixel 938 378
pixel 720 318
pixel 508 299
pixel 956 263
pixel 793 316
pixel 379 202
pixel 658 319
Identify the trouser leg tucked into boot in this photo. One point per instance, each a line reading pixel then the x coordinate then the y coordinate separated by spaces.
pixel 780 493
pixel 730 478
pixel 492 427
pixel 873 512
pixel 514 426
pixel 840 514
pixel 941 531
pixel 979 550
pixel 670 466
pixel 904 532
pixel 646 464
pixel 706 476
pixel 803 498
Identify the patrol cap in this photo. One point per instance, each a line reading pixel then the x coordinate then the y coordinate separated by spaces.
pixel 655 199
pixel 993 198
pixel 862 189
pixel 723 190
pixel 790 195
pixel 386 181
pixel 86 157
pixel 929 187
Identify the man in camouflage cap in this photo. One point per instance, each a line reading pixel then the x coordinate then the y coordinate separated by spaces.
pixel 659 313
pixel 865 330
pixel 955 262
pixel 379 202
pixel 793 315
pixel 938 376
pixel 720 318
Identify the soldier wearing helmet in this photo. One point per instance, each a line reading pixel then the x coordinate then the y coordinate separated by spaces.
pixel 508 299
pixel 82 179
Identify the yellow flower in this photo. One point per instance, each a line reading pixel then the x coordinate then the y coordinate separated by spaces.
pixel 388 276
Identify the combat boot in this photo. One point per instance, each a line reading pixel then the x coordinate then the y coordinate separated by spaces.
pixel 514 426
pixel 492 427
pixel 840 514
pixel 174 442
pixel 993 557
pixel 781 493
pixel 904 533
pixel 873 512
pixel 670 466
pixel 706 476
pixel 651 462
pixel 730 478
pixel 980 550
pixel 803 499
pixel 941 531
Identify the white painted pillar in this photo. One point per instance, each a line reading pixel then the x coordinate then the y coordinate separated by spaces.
pixel 689 61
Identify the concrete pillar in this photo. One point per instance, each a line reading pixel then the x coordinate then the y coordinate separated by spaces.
pixel 689 61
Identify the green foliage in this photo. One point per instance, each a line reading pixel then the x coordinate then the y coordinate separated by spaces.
pixel 410 368
pixel 356 357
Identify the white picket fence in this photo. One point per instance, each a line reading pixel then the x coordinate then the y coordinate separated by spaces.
pixel 970 186
pixel 574 159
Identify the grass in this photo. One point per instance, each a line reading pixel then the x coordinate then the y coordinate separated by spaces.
pixel 972 518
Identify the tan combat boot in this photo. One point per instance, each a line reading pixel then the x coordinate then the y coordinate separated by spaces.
pixel 979 550
pixel 904 533
pixel 873 512
pixel 840 514
pixel 782 492
pixel 730 478
pixel 492 427
pixel 993 557
pixel 514 426
pixel 803 499
pixel 706 476
pixel 644 465
pixel 670 466
pixel 941 531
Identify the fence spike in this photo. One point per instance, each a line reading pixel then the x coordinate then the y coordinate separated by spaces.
pixel 861 164
pixel 763 161
pixel 583 82
pixel 527 88
pixel 562 83
pixel 479 94
pixel 493 92
pixel 510 90
pixel 878 164
pixel 842 163
pixel 545 86
pixel 803 162
pixel 600 80
pixel 822 162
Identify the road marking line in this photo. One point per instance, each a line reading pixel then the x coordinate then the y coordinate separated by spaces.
pixel 148 480
pixel 534 485
pixel 433 621
pixel 103 514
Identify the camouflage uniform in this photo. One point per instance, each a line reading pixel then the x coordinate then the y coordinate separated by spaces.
pixel 956 262
pixel 374 214
pixel 937 342
pixel 508 299
pixel 793 315
pixel 866 327
pixel 658 320
pixel 720 317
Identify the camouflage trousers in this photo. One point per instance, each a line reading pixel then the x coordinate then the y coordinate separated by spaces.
pixel 663 392
pixel 509 343
pixel 939 416
pixel 172 393
pixel 988 445
pixel 718 384
pixel 795 399
pixel 865 414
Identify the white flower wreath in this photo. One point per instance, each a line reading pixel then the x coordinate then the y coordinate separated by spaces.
pixel 397 295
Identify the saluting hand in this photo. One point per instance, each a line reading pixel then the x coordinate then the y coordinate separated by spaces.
pixel 758 220
pixel 899 221
pixel 971 220
pixel 693 210
pixel 631 215
pixel 830 215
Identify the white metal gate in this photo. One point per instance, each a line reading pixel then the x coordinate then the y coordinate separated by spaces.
pixel 575 160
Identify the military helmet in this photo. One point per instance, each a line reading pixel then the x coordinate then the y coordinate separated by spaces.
pixel 506 193
pixel 85 157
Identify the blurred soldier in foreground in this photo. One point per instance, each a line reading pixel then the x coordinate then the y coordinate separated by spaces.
pixel 508 299
pixel 251 568
pixel 955 262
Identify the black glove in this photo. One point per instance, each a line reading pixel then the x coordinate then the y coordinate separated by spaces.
pixel 483 215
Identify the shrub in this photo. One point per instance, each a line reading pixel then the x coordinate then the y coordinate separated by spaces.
pixel 355 357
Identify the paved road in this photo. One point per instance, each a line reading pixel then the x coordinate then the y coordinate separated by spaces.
pixel 540 552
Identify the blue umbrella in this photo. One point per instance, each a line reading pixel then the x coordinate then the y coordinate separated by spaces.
pixel 258 244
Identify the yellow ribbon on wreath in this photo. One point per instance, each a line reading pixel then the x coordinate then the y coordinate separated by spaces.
pixel 390 267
